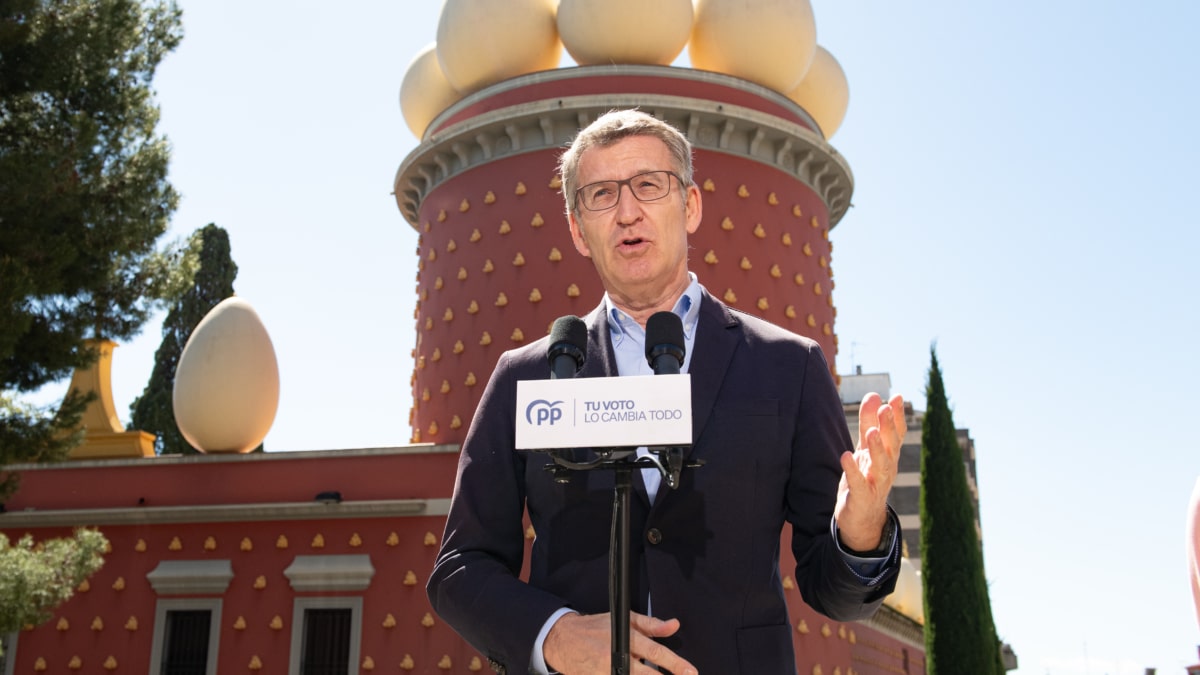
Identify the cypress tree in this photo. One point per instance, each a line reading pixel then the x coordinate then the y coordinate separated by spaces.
pixel 209 255
pixel 960 636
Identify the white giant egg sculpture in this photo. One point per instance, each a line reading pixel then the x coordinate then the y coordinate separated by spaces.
pixel 425 91
pixel 824 92
pixel 770 42
pixel 480 42
pixel 624 31
pixel 227 381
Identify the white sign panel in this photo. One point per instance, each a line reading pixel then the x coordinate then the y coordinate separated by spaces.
pixel 602 412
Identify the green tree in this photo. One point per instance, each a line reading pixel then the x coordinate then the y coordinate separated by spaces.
pixel 960 636
pixel 83 196
pixel 37 577
pixel 212 281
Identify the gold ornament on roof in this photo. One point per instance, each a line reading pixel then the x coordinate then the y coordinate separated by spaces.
pixel 393 539
pixel 762 304
pixel 537 221
pixel 458 347
pixel 802 627
pixel 530 533
pixel 433 428
pixel 437 355
pixel 709 185
pixel 355 540
pixel 476 235
pixel 97 624
pixel 389 621
pixel 246 544
pixel 710 257
pixel 462 274
pixel 63 625
pixel 445 387
pixel 451 246
pixel 743 191
pixel 368 663
pixel 175 545
pixel 745 263
pixel 814 222
pixel 520 189
pixel 75 663
pixel 456 422
pixel 817 288
pixel 488 266
pixel 505 228
pixel 519 260
pixel 407 662
pixel 464 206
pixel 823 262
pixel 427 226
pixel 842 632
pixel 807 249
pixel 240 624
pixel 430 539
pixel 210 544
pixel 727 224
pixel 816 669
pixel 39 665
pixel 318 541
pixel 427 620
pixel 489 198
pixel 501 300
pixel 84 586
pixel 730 296
pixel 425 395
pixel 827 329
pixel 448 315
pixel 476 665
pixel 444 662
pixel 517 335
pixel 470 381
pixel 772 199
pixel 790 311
pixel 811 321
pixel 788 584
pixel 797 211
pixel 255 663
pixel 473 308
pixel 429 323
pixel 131 624
pixel 556 182
pixel 432 256
pixel 441 216
pixel 486 339
pixel 424 294
pixel 826 630
pixel 798 278
pixel 410 578
pixel 535 295
pixel 119 584
pixel 281 542
pixel 786 238
pixel 853 637
pixel 438 284
pixel 759 231
pixel 775 272
pixel 555 254
pixel 572 291
pixel 108 546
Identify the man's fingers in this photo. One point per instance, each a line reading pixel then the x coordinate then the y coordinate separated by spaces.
pixel 643 647
pixel 868 416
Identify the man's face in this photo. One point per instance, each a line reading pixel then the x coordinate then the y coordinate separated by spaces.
pixel 639 248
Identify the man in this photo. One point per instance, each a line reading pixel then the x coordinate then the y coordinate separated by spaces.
pixel 768 424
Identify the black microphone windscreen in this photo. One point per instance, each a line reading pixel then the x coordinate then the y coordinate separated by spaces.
pixel 664 330
pixel 570 329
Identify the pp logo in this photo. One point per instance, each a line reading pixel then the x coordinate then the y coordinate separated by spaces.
pixel 543 411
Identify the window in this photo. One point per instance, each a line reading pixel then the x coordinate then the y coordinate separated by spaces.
pixel 186 636
pixel 326 633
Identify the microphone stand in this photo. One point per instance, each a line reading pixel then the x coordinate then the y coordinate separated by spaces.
pixel 670 462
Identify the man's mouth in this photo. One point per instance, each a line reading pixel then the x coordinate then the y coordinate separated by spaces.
pixel 633 241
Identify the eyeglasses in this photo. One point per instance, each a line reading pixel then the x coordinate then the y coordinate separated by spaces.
pixel 646 187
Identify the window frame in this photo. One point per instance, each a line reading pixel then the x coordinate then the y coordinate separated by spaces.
pixel 164 605
pixel 354 604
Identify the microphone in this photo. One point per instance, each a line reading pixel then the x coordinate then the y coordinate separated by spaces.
pixel 664 343
pixel 568 347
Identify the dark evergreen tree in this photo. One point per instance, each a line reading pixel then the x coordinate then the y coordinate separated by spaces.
pixel 209 255
pixel 84 196
pixel 960 636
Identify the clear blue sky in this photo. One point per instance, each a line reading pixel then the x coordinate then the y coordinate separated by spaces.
pixel 1025 178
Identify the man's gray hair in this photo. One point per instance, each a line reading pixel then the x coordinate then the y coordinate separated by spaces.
pixel 614 126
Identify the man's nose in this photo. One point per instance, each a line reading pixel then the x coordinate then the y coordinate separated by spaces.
pixel 629 209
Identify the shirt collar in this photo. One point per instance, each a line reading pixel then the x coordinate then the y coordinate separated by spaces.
pixel 687 308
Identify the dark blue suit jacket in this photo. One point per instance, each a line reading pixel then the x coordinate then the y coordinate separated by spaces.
pixel 769 424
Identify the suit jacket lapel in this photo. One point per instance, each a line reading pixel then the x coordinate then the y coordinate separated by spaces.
pixel 717 337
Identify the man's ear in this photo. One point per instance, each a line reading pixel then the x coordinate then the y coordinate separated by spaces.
pixel 693 209
pixel 581 244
